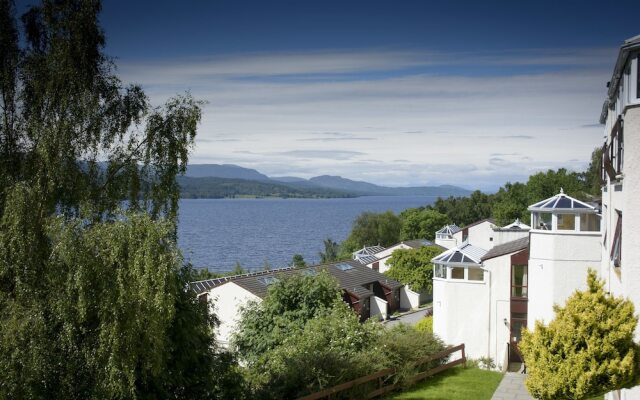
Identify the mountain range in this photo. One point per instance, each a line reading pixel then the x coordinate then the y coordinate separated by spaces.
pixel 228 180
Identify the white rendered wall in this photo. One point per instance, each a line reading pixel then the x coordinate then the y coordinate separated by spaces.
pixel 558 265
pixel 460 314
pixel 226 301
pixel 379 308
pixel 500 280
pixel 447 243
pixel 630 269
pixel 384 256
pixel 482 235
pixel 408 298
pixel 500 237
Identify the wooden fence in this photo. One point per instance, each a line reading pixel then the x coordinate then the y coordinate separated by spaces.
pixel 382 377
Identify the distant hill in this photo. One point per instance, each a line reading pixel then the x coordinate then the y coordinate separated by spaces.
pixel 365 188
pixel 217 188
pixel 287 179
pixel 229 171
pixel 228 180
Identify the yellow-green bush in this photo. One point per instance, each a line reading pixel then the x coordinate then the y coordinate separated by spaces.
pixel 425 324
pixel 587 349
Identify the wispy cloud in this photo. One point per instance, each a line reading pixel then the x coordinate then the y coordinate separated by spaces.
pixel 408 110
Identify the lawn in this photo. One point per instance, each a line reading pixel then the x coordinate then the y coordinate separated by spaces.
pixel 455 384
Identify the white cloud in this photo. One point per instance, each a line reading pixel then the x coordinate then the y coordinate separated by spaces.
pixel 445 125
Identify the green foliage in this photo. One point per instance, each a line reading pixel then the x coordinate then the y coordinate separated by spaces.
pixel 587 349
pixel 511 202
pixel 421 223
pixel 593 175
pixel 237 269
pixel 289 304
pixel 370 229
pixel 330 253
pixel 328 349
pixel 425 324
pixel 486 363
pixel 93 299
pixel 401 347
pixel 464 210
pixel 298 261
pixel 413 267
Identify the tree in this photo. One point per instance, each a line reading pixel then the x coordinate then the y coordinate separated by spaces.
pixel 93 298
pixel 546 184
pixel 330 253
pixel 289 304
pixel 586 350
pixel 421 223
pixel 298 261
pixel 592 177
pixel 413 267
pixel 370 229
pixel 464 210
pixel 511 203
pixel 325 351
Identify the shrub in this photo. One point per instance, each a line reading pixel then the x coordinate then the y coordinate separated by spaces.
pixel 425 325
pixel 586 350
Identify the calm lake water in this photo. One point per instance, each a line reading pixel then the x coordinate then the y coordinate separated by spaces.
pixel 215 233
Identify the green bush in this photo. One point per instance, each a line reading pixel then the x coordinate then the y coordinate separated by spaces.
pixel 425 324
pixel 587 349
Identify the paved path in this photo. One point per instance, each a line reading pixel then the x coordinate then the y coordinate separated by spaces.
pixel 512 388
pixel 410 319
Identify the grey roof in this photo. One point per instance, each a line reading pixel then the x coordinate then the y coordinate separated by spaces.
pixel 353 279
pixel 490 220
pixel 364 260
pixel 368 251
pixel 449 230
pixel 417 243
pixel 465 254
pixel 627 47
pixel 507 248
pixel 562 202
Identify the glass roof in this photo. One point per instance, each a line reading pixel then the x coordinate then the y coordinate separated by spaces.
pixel 562 202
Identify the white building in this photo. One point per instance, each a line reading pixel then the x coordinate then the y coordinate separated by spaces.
pixel 484 298
pixel 369 293
pixel 378 260
pixel 480 234
pixel 461 299
pixel 564 244
pixel 621 184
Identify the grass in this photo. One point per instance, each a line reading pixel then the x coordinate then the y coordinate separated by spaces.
pixel 455 384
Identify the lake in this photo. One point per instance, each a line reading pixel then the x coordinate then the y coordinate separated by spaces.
pixel 215 233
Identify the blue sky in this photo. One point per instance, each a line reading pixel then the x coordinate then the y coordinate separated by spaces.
pixel 392 92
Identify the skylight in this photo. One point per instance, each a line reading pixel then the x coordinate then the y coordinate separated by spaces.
pixel 344 266
pixel 268 280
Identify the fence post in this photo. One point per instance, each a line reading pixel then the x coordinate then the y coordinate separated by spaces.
pixel 464 364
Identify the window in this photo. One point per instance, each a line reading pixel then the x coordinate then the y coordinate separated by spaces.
pixel 344 266
pixel 638 77
pixel 465 235
pixel 268 280
pixel 440 271
pixel 376 266
pixel 589 223
pixel 566 222
pixel 544 221
pixel 616 246
pixel 475 274
pixel 519 280
pixel 457 273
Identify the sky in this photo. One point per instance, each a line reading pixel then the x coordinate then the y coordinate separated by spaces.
pixel 398 93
